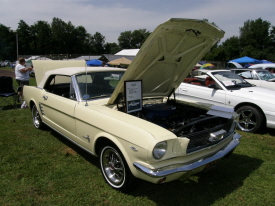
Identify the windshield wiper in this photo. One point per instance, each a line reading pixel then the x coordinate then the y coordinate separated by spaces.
pixel 102 95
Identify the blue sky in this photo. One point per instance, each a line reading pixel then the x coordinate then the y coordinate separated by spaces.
pixel 111 17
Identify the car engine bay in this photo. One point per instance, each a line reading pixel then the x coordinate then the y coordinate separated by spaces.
pixel 187 121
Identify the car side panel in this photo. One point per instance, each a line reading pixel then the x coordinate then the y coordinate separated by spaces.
pixel 255 82
pixel 201 94
pixel 58 112
pixel 262 83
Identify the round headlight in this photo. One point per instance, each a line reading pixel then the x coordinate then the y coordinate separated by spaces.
pixel 160 150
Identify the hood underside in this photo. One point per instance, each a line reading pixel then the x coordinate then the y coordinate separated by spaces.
pixel 168 55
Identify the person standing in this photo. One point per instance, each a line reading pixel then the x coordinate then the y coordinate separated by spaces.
pixel 22 76
pixel 104 64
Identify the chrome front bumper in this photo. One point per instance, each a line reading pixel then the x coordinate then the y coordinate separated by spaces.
pixel 157 173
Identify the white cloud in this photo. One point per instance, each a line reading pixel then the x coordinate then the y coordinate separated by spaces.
pixel 112 17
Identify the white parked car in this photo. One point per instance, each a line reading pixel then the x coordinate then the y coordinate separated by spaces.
pixel 255 105
pixel 270 67
pixel 159 140
pixel 258 77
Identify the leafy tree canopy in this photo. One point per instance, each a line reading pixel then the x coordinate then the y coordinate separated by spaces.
pixel 256 39
pixel 133 39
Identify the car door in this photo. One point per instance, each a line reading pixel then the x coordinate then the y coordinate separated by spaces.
pixel 255 79
pixel 57 108
pixel 201 94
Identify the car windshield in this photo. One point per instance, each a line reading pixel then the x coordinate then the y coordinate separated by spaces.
pixel 98 84
pixel 230 80
pixel 265 75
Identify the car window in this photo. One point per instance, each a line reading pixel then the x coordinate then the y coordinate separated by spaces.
pixel 60 85
pixel 203 80
pixel 230 80
pixel 265 75
pixel 98 84
pixel 245 74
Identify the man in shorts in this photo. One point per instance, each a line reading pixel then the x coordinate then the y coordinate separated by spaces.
pixel 22 76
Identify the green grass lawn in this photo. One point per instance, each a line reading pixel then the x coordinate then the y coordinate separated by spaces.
pixel 40 167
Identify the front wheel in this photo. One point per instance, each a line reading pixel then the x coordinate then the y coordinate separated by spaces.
pixel 37 122
pixel 115 169
pixel 250 120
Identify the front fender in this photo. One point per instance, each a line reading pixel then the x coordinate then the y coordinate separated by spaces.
pixel 130 151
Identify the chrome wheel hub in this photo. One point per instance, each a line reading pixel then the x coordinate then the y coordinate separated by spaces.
pixel 113 166
pixel 247 120
pixel 36 117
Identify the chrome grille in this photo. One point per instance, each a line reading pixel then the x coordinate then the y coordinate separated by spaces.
pixel 200 139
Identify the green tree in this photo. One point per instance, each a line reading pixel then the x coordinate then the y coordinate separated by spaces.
pixel 231 48
pixel 124 40
pixel 61 36
pixel 138 37
pixel 98 43
pixel 133 40
pixel 41 38
pixel 7 43
pixel 68 39
pixel 216 52
pixel 90 44
pixel 270 52
pixel 80 37
pixel 24 38
pixel 111 48
pixel 255 38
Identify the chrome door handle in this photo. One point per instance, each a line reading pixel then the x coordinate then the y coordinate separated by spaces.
pixel 184 89
pixel 45 97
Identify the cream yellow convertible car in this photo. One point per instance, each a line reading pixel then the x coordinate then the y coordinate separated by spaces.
pixel 130 118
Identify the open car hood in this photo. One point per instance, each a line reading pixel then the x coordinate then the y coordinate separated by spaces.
pixel 168 55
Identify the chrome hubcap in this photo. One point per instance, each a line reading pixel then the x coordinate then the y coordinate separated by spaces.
pixel 36 118
pixel 113 166
pixel 247 120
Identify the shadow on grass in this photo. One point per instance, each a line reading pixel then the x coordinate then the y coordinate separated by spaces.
pixel 10 107
pixel 269 131
pixel 87 156
pixel 202 189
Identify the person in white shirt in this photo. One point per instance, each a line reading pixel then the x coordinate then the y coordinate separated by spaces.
pixel 22 75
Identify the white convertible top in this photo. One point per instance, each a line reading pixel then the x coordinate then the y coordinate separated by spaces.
pixel 69 71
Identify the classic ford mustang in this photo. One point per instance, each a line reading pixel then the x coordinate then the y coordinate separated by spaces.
pixel 130 118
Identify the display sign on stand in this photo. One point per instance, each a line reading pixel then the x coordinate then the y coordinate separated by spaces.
pixel 133 95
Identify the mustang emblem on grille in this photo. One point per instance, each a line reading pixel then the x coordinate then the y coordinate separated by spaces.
pixel 215 136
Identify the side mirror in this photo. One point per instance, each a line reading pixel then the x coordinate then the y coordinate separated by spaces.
pixel 213 86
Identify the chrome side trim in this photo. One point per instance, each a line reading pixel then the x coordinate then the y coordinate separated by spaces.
pixel 186 168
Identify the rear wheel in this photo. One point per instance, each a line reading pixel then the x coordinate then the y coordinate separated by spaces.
pixel 115 169
pixel 250 120
pixel 37 122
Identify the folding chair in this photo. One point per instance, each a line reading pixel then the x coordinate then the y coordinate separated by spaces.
pixel 8 96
